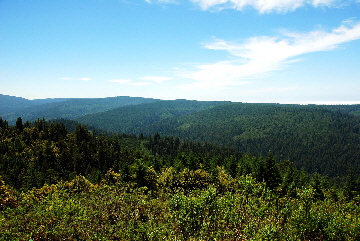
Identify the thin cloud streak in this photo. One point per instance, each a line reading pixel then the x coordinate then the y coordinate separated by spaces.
pixel 258 56
pixel 262 6
pixel 267 6
pixel 85 79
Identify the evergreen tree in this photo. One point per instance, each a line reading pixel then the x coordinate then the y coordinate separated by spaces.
pixel 19 124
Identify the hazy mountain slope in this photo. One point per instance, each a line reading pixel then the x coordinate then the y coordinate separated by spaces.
pixel 73 108
pixel 10 104
pixel 133 119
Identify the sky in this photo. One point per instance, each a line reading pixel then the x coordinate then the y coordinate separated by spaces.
pixel 277 51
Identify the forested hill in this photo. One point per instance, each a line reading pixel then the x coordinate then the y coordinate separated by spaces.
pixel 136 119
pixel 324 139
pixel 9 104
pixel 13 107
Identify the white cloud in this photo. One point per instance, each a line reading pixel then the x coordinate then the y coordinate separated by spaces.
pixel 218 75
pixel 85 79
pixel 120 81
pixel 259 56
pixel 157 79
pixel 266 6
pixel 262 6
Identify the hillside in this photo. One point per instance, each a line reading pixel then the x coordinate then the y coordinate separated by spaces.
pixel 314 138
pixel 322 139
pixel 135 119
pixel 65 108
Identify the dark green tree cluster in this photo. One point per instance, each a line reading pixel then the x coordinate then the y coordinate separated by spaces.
pixel 32 154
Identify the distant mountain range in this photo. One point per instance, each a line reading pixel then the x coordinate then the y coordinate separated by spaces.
pixel 13 107
pixel 324 139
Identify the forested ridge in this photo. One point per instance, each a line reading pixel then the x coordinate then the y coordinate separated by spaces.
pixel 83 185
pixel 324 139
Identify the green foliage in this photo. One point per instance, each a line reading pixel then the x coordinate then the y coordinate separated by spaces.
pixel 78 185
pixel 7 196
pixel 195 215
pixel 61 185
pixel 80 210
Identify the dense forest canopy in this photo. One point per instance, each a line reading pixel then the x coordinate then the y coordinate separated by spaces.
pixel 316 138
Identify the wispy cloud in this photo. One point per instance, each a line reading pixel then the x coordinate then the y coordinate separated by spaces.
pixel 266 6
pixel 259 56
pixel 120 81
pixel 262 6
pixel 83 79
pixel 157 79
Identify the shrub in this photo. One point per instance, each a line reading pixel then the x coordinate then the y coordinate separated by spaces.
pixel 7 196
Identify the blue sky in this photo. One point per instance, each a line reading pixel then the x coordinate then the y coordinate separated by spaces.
pixel 300 51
